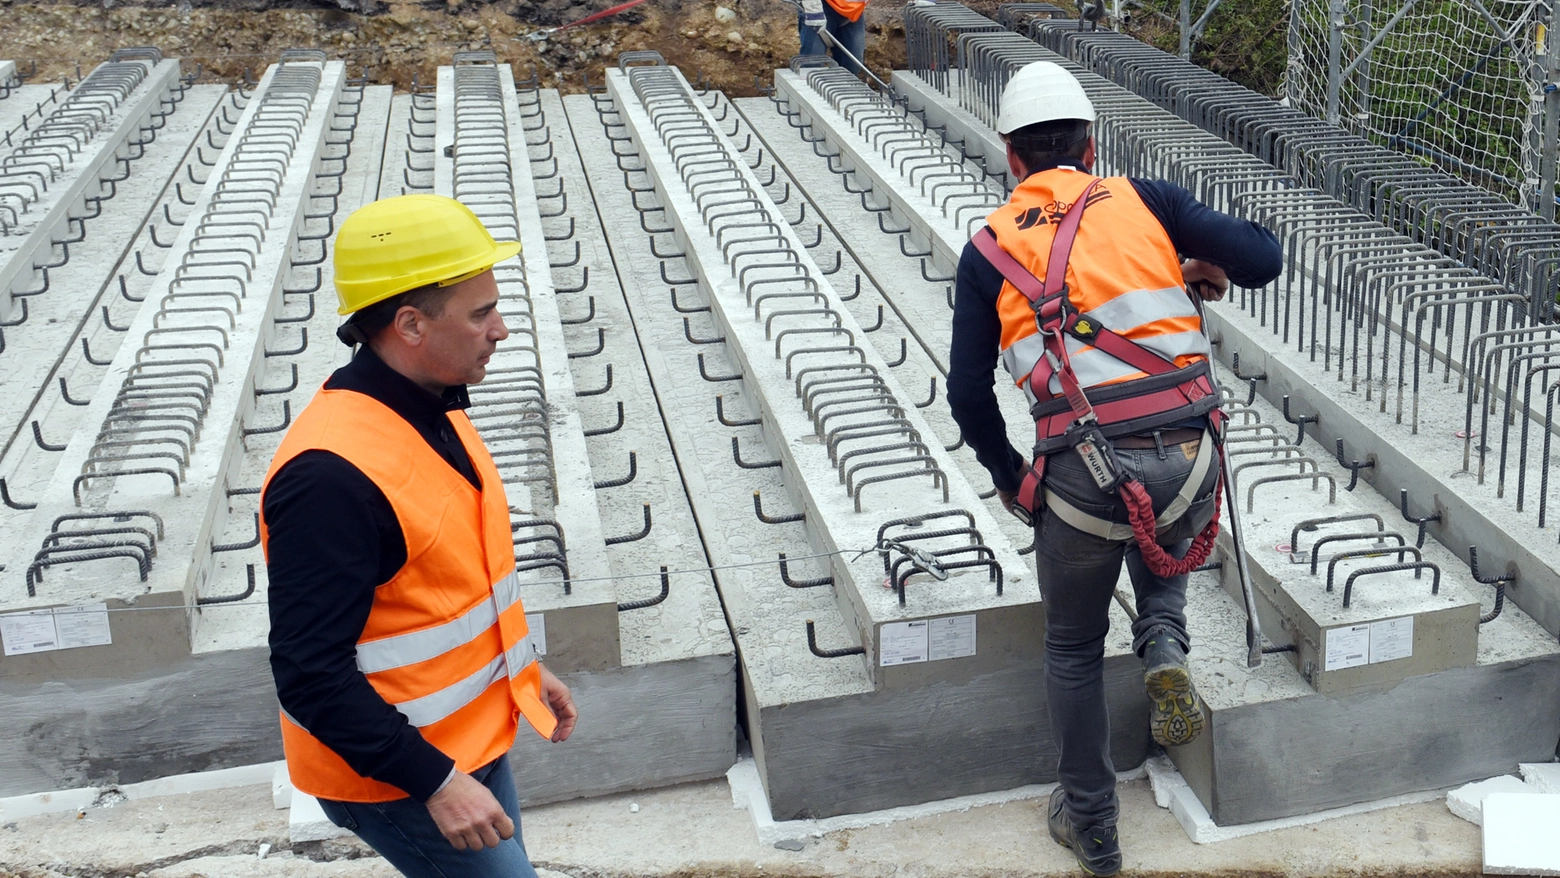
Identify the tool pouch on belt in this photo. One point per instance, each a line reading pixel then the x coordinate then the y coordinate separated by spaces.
pixel 1099 458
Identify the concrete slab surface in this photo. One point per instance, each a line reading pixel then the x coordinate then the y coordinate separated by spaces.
pixel 695 830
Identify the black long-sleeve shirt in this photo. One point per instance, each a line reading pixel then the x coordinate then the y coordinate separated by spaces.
pixel 1248 253
pixel 333 539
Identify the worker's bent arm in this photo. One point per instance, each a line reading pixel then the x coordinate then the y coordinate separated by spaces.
pixel 1247 252
pixel 334 538
pixel 972 362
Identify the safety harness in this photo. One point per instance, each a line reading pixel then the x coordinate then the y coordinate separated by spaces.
pixel 1166 396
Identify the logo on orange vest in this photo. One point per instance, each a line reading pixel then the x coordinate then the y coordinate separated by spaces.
pixel 1051 214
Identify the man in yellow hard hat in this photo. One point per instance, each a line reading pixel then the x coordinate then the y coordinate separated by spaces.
pixel 398 640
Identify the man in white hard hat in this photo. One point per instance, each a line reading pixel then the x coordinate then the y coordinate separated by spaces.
pixel 398 639
pixel 1078 286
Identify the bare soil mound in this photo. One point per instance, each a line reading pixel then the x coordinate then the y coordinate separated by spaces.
pixel 728 42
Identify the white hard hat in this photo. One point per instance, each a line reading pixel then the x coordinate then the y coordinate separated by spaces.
pixel 1042 92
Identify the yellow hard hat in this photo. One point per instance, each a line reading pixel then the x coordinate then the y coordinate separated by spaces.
pixel 397 244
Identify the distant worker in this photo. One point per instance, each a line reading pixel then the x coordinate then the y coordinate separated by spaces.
pixel 844 22
pixel 1089 312
pixel 398 640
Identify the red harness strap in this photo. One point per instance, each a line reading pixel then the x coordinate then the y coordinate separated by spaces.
pixel 1053 318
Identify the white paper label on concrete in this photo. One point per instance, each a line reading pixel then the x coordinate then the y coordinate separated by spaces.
pixel 85 625
pixel 1391 639
pixel 537 623
pixel 1347 647
pixel 901 643
pixel 25 633
pixel 59 628
pixel 950 637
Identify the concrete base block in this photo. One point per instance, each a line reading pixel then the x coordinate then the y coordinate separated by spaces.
pixel 306 821
pixel 891 748
pixel 204 712
pixel 1173 793
pixel 640 727
pixel 1519 836
pixel 1356 748
pixel 1467 801
pixel 1541 777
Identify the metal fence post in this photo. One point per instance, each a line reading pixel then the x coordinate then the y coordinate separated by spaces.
pixel 1335 12
pixel 1551 89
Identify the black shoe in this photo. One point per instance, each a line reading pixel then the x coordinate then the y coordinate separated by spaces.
pixel 1098 851
pixel 1177 716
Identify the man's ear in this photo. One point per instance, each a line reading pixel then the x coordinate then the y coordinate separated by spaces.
pixel 1088 155
pixel 407 324
pixel 1015 164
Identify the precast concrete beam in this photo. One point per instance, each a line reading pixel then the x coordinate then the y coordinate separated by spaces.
pixel 923 182
pixel 349 165
pixel 741 259
pixel 45 349
pixel 166 427
pixel 678 675
pixel 526 408
pixel 49 174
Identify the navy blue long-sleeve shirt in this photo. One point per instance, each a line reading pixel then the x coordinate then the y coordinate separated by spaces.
pixel 333 539
pixel 1247 252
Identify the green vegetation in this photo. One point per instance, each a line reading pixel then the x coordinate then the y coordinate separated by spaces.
pixel 1245 40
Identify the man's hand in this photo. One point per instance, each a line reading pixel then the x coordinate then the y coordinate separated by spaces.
pixel 812 14
pixel 468 815
pixel 1008 498
pixel 1205 279
pixel 562 703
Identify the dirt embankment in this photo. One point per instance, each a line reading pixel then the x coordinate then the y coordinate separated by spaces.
pixel 728 41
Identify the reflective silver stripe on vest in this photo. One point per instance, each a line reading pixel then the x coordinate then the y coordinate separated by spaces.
pixel 431 708
pixel 1143 306
pixel 520 656
pixel 1094 366
pixel 401 650
pixel 434 706
pixel 1121 315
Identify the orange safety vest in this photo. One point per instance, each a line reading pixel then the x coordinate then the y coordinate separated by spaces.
pixel 1123 274
pixel 446 639
pixel 851 9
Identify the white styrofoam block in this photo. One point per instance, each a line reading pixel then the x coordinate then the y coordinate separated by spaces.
pixel 1543 777
pixel 1164 778
pixel 1519 834
pixel 1467 800
pixel 281 787
pixel 306 821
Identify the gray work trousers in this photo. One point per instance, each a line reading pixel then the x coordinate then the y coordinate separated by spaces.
pixel 1078 573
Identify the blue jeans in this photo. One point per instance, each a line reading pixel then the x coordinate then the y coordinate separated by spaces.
pixel 850 34
pixel 404 833
pixel 1078 573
